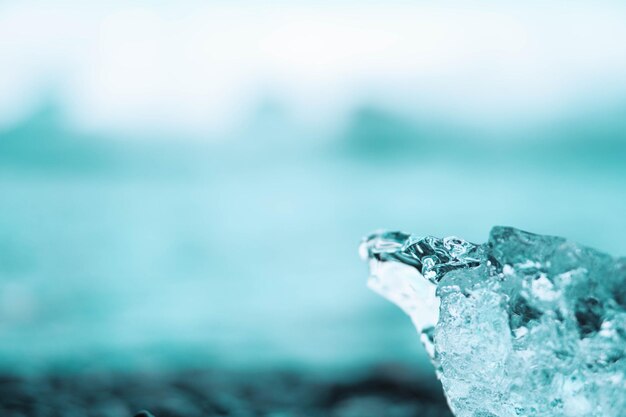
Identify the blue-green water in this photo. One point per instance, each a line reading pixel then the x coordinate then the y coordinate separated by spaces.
pixel 157 253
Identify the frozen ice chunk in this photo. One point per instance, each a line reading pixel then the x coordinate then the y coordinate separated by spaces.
pixel 523 325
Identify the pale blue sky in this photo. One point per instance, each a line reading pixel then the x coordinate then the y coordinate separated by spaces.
pixel 196 68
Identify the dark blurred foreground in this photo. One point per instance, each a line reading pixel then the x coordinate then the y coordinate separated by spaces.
pixel 385 392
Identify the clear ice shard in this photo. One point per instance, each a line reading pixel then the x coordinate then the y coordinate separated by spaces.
pixel 523 325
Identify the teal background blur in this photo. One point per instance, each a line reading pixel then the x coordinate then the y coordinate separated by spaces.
pixel 186 183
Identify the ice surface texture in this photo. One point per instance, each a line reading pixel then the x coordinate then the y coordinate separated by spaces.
pixel 523 325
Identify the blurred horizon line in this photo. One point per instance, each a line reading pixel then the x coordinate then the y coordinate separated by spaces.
pixel 47 140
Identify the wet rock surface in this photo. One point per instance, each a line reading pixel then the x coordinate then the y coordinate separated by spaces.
pixel 201 393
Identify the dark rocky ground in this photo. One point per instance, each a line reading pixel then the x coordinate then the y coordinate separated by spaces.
pixel 385 392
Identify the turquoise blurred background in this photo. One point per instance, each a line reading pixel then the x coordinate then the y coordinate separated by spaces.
pixel 187 183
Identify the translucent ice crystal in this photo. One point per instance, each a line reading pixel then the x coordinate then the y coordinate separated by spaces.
pixel 523 325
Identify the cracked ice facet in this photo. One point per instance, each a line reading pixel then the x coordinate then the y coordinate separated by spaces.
pixel 523 325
